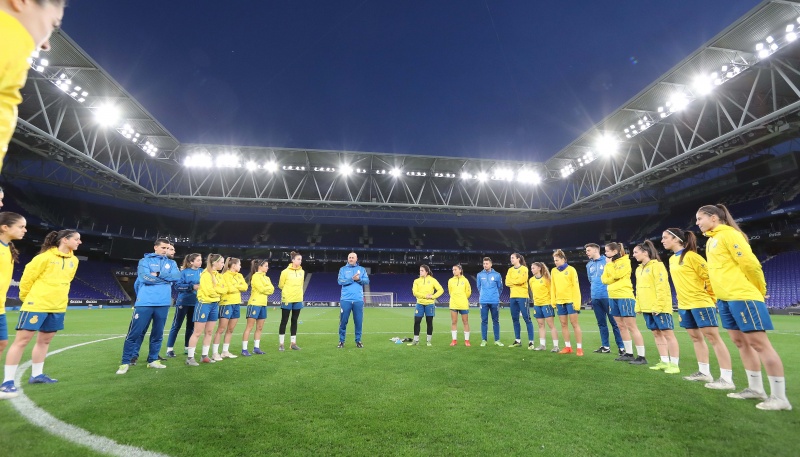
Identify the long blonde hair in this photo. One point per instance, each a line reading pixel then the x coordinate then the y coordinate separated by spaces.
pixel 543 268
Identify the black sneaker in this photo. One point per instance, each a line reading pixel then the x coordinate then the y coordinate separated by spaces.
pixel 161 359
pixel 625 358
pixel 133 360
pixel 602 350
pixel 359 345
pixel 341 345
pixel 171 354
pixel 639 361
pixel 621 351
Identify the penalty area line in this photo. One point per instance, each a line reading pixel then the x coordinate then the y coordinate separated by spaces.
pixel 42 419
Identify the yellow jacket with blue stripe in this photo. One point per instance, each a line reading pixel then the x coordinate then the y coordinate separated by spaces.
pixel 460 291
pixel 653 294
pixel 212 287
pixel 690 278
pixel 17 45
pixel 617 276
pixel 260 289
pixel 517 281
pixel 44 287
pixel 424 286
pixel 291 284
pixel 733 269
pixel 565 288
pixel 6 269
pixel 236 285
pixel 540 288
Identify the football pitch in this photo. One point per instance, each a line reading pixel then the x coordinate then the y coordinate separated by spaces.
pixel 390 399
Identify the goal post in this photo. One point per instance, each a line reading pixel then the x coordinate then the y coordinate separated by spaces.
pixel 379 299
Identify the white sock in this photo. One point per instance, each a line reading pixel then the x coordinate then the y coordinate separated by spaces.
pixel 454 333
pixel 225 347
pixel 416 337
pixel 428 338
pixel 555 343
pixel 628 346
pixel 754 380
pixel 294 339
pixel 580 345
pixel 216 348
pixel 777 387
pixel 640 351
pixel 170 349
pixel 705 368
pixel 205 351
pixel 244 345
pixel 466 336
pixel 665 359
pixel 36 369
pixel 727 375
pixel 11 370
pixel 674 360
pixel 190 352
pixel 567 344
pixel 257 343
pixel 542 341
pixel 281 338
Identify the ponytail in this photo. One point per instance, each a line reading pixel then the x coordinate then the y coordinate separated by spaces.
pixel 8 218
pixel 520 257
pixel 187 261
pixel 614 246
pixel 721 211
pixel 254 266
pixel 53 239
pixel 649 248
pixel 210 260
pixel 687 239
pixel 230 262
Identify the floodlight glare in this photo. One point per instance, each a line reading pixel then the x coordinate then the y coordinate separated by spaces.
pixel 107 114
pixel 606 145
pixel 481 177
pixel 703 84
pixel 346 169
pixel 251 166
pixel 396 172
pixel 791 36
pixel 465 175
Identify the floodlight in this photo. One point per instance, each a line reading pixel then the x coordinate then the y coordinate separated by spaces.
pixel 346 169
pixel 678 102
pixel 606 145
pixel 791 36
pixel 107 114
pixel 271 167
pixel 481 176
pixel 251 166
pixel 465 175
pixel 396 172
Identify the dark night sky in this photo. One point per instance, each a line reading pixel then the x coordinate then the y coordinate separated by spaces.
pixel 505 79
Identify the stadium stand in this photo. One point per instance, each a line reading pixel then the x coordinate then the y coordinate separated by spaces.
pixel 782 273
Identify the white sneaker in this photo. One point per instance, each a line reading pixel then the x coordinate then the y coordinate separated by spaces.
pixel 699 377
pixel 123 368
pixel 721 384
pixel 216 357
pixel 747 394
pixel 228 355
pixel 774 403
pixel 155 364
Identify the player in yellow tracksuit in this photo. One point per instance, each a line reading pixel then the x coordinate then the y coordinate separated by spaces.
pixel 260 289
pixel 44 293
pixel 517 281
pixel 654 301
pixel 12 227
pixel 25 27
pixel 543 306
pixel 206 312
pixel 617 276
pixel 565 293
pixel 697 308
pixel 460 291
pixel 426 289
pixel 738 282
pixel 229 305
pixel 291 284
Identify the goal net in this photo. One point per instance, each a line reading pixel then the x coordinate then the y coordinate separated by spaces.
pixel 380 299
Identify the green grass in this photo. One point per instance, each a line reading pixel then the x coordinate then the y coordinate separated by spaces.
pixel 390 399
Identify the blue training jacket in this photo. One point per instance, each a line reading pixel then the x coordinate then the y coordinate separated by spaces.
pixel 490 284
pixel 187 296
pixel 156 290
pixel 352 290
pixel 595 270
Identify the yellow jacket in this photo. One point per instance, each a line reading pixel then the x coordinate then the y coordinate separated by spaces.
pixel 6 269
pixel 733 269
pixel 540 287
pixel 653 294
pixel 426 286
pixel 617 276
pixel 261 288
pixel 460 291
pixel 565 288
pixel 17 46
pixel 690 278
pixel 291 284
pixel 517 281
pixel 44 287
pixel 236 285
pixel 212 287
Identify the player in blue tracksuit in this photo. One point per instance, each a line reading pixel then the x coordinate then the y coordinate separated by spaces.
pixel 352 277
pixel 136 286
pixel 156 274
pixel 187 299
pixel 600 303
pixel 490 284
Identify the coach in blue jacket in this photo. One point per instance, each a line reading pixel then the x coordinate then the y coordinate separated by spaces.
pixel 490 284
pixel 156 275
pixel 600 303
pixel 352 277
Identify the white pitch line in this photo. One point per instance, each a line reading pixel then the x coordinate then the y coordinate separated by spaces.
pixel 41 418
